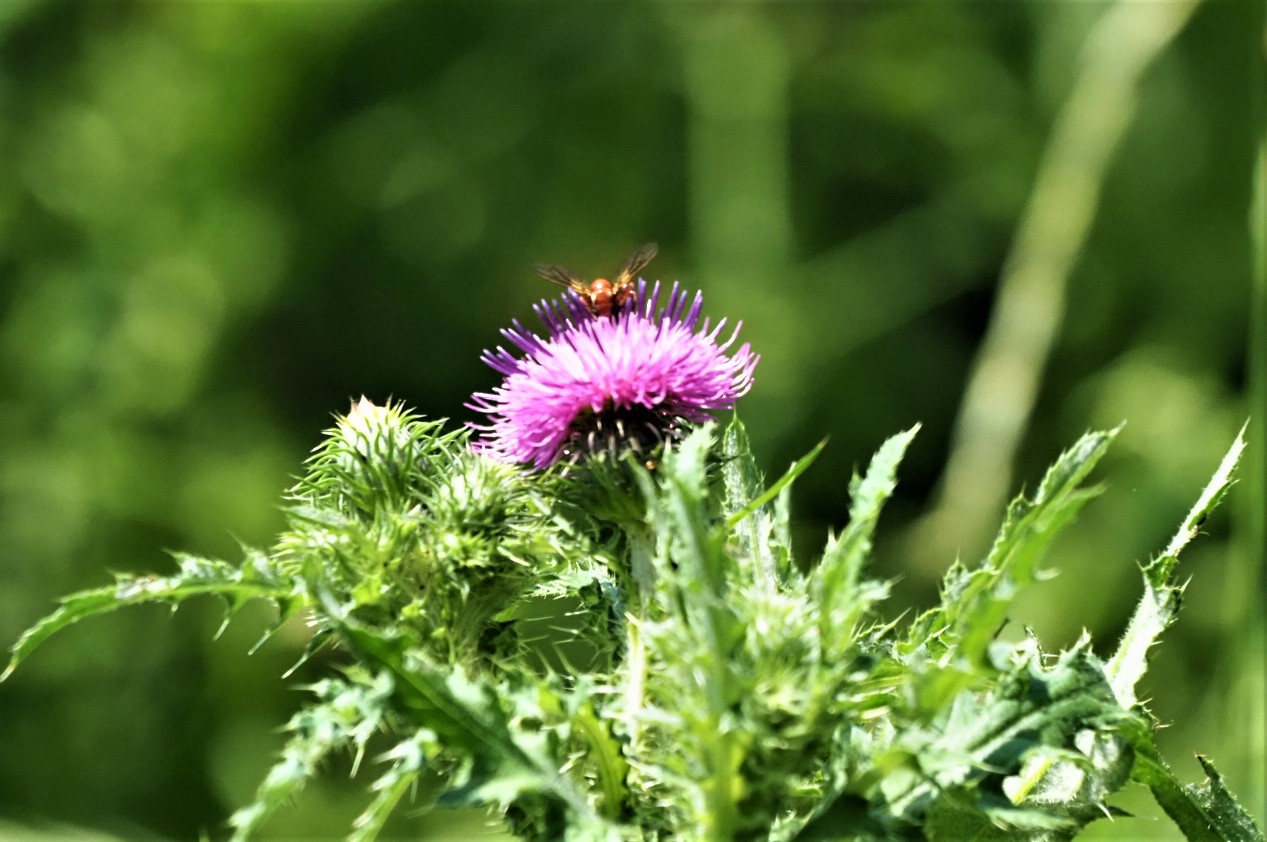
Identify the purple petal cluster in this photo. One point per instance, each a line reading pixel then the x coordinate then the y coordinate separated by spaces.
pixel 648 365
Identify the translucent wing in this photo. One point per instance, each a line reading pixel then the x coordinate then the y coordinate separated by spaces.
pixel 635 263
pixel 561 276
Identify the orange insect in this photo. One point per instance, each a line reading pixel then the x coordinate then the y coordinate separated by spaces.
pixel 601 296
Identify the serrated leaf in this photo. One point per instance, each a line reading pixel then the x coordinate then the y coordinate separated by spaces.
pixel 687 461
pixel 1031 708
pixel 975 602
pixel 797 468
pixel 1159 604
pixel 465 716
pixel 760 529
pixel 604 754
pixel 846 819
pixel 742 481
pixel 1221 805
pixel 1205 813
pixel 696 580
pixel 408 760
pixel 344 716
pixel 963 817
pixel 836 582
pixel 196 577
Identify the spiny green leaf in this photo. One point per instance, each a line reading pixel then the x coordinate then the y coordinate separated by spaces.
pixel 975 603
pixel 1161 570
pixel 464 714
pixel 692 679
pixel 1205 813
pixel 1029 529
pixel 1159 604
pixel 687 461
pixel 798 467
pixel 742 481
pixel 408 760
pixel 1221 805
pixel 254 579
pixel 845 819
pixel 1072 783
pixel 344 716
pixel 835 583
pixel 1033 707
pixel 760 530
pixel 962 816
pixel 604 754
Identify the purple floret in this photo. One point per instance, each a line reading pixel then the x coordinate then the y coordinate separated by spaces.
pixel 637 374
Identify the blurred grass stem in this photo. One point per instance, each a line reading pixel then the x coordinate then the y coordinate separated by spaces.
pixel 1030 303
pixel 1243 667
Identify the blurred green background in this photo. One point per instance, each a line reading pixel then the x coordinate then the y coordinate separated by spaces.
pixel 220 221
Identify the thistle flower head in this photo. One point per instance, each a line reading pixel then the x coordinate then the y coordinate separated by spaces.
pixel 628 381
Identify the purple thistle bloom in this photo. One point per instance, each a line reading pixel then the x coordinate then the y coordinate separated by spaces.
pixel 625 381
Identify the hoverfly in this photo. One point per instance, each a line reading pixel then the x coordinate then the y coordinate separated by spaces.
pixel 601 296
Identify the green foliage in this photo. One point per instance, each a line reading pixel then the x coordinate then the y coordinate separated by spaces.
pixel 255 578
pixel 345 714
pixel 1159 605
pixel 956 634
pixel 1205 812
pixel 217 215
pixel 734 693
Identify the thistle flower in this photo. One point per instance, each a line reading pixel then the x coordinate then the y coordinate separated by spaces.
pixel 628 381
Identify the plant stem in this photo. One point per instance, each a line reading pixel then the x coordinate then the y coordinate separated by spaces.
pixel 1030 304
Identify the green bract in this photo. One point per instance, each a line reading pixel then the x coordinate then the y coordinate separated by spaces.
pixel 697 682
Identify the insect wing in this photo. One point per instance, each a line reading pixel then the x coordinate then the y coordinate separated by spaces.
pixel 561 276
pixel 635 263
